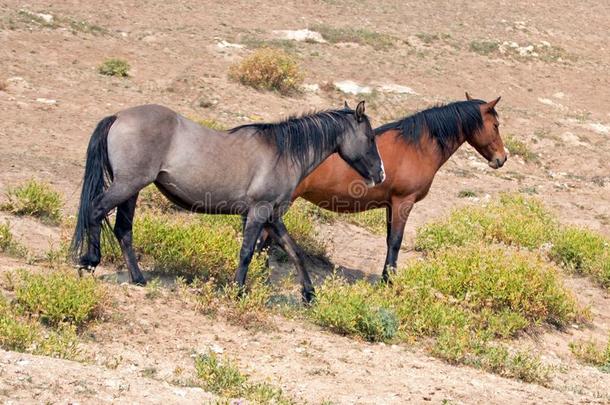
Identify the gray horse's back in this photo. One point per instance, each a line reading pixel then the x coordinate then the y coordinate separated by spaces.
pixel 194 166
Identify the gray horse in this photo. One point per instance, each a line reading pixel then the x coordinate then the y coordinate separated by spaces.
pixel 251 170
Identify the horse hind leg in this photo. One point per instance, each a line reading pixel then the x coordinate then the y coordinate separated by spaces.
pixel 116 194
pixel 123 232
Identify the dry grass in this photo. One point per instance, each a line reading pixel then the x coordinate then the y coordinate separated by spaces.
pixel 268 69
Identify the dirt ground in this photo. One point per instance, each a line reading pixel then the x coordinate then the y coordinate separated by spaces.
pixel 179 54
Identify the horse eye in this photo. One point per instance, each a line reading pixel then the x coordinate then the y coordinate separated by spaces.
pixel 496 126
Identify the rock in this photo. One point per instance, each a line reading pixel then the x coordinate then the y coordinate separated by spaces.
pixel 300 35
pixel 350 87
pixel 47 101
pixel 599 128
pixel 311 88
pixel 396 88
pixel 224 44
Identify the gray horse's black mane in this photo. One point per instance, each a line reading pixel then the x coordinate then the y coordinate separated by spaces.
pixel 445 123
pixel 295 137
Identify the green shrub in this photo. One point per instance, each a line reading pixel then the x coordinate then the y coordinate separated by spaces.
pixel 519 148
pixel 114 67
pixel 584 252
pixel 268 69
pixel 20 334
pixel 513 220
pixel 221 376
pixel 36 199
pixel 461 298
pixel 349 309
pixel 484 47
pixel 360 36
pixel 60 297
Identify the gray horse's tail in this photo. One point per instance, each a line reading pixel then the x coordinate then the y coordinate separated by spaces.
pixel 98 174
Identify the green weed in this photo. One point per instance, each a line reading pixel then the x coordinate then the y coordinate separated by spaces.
pixel 589 352
pixel 512 219
pixel 8 244
pixel 114 67
pixel 461 298
pixel 221 376
pixel 35 199
pixel 584 252
pixel 60 297
pixel 519 148
pixel 18 333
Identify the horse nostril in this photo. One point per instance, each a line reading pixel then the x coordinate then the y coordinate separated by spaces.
pixel 499 163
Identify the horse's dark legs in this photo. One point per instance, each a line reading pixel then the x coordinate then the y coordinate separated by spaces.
pixel 277 231
pixel 101 206
pixel 253 224
pixel 396 215
pixel 122 231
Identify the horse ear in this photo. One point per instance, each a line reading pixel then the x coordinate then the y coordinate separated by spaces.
pixel 345 105
pixel 492 104
pixel 468 96
pixel 360 111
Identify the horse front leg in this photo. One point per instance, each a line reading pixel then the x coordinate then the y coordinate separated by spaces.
pixel 253 225
pixel 277 230
pixel 397 215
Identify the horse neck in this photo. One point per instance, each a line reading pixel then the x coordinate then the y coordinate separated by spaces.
pixel 312 162
pixel 433 153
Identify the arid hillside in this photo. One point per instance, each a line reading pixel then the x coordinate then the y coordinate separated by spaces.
pixel 550 62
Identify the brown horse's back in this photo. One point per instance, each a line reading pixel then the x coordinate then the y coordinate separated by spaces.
pixel 337 187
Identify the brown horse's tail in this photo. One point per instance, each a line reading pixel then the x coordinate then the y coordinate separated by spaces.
pixel 98 175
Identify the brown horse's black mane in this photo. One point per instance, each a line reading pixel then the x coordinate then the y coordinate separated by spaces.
pixel 294 137
pixel 444 123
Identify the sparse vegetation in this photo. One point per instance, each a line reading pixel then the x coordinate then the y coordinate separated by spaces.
pixel 373 220
pixel 257 43
pixel 60 297
pixel 35 199
pixel 462 298
pixel 583 252
pixel 484 47
pixel 152 199
pixel 519 148
pixel 360 36
pixel 211 123
pixel 18 333
pixel 467 194
pixel 428 38
pixel 8 244
pixel 589 352
pixel 268 69
pixel 221 376
pixel 513 220
pixel 114 67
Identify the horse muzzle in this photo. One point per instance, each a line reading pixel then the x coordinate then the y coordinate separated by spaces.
pixel 497 163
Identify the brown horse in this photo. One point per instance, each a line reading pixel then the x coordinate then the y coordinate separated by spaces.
pixel 413 150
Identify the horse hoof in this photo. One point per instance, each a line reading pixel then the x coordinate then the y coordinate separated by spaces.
pixel 88 268
pixel 139 282
pixel 308 296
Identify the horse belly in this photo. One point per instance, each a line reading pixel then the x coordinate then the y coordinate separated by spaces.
pixel 203 194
